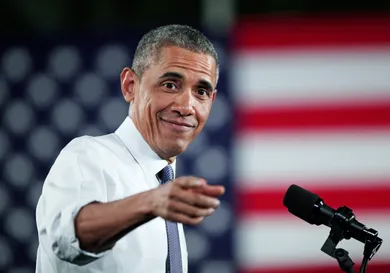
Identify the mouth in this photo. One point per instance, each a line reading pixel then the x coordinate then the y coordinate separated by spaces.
pixel 178 125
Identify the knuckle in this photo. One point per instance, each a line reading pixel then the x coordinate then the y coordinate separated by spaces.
pixel 196 213
pixel 171 205
pixel 207 201
pixel 186 220
pixel 199 198
pixel 170 216
pixel 174 190
pixel 189 221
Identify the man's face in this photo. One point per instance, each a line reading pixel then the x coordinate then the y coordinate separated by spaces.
pixel 173 100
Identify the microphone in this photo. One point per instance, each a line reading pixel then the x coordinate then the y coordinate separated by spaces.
pixel 311 208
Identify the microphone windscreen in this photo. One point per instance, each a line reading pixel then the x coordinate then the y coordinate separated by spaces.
pixel 301 202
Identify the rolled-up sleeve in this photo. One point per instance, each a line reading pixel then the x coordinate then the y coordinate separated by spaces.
pixel 75 180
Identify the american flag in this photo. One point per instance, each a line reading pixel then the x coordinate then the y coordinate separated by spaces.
pixel 312 100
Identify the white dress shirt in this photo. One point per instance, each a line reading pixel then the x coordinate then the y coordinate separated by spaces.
pixel 103 169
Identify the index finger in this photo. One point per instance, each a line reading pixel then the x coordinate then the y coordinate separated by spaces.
pixel 211 190
pixel 189 182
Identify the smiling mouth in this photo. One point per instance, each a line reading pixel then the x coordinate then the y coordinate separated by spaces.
pixel 178 125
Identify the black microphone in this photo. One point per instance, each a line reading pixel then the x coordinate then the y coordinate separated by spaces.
pixel 310 207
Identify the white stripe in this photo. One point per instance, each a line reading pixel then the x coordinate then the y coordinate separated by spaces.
pixel 291 77
pixel 288 241
pixel 273 160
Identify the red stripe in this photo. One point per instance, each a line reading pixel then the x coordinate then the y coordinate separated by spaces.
pixel 371 268
pixel 255 201
pixel 314 117
pixel 280 32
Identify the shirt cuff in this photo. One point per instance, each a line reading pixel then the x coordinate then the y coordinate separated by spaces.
pixel 65 243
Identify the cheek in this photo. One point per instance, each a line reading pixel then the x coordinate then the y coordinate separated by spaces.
pixel 145 102
pixel 156 104
pixel 153 106
pixel 203 113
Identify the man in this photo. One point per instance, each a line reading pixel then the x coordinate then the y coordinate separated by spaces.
pixel 108 203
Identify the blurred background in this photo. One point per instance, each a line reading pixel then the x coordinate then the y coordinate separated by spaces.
pixel 303 97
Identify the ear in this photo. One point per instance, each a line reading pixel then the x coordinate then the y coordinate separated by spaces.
pixel 214 95
pixel 129 81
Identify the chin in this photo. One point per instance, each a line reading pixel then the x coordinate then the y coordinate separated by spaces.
pixel 176 148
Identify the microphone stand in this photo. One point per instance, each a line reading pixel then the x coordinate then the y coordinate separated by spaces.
pixel 335 236
pixel 338 232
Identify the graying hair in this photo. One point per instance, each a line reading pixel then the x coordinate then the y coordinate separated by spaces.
pixel 181 36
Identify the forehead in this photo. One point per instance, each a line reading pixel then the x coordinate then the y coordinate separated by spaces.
pixel 192 64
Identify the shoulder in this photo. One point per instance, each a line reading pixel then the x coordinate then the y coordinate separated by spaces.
pixel 83 148
pixel 91 146
pixel 87 153
pixel 99 149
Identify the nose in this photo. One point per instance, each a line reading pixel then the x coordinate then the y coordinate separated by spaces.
pixel 184 103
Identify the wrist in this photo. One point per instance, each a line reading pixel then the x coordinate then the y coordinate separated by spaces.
pixel 146 207
pixel 137 210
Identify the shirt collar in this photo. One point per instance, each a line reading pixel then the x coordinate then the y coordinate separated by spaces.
pixel 140 149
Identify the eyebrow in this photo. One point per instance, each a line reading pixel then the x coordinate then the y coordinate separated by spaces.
pixel 171 75
pixel 206 84
pixel 179 76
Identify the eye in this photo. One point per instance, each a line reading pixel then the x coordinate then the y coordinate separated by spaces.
pixel 170 85
pixel 202 92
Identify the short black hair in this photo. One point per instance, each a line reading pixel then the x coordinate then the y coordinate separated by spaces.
pixel 182 36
